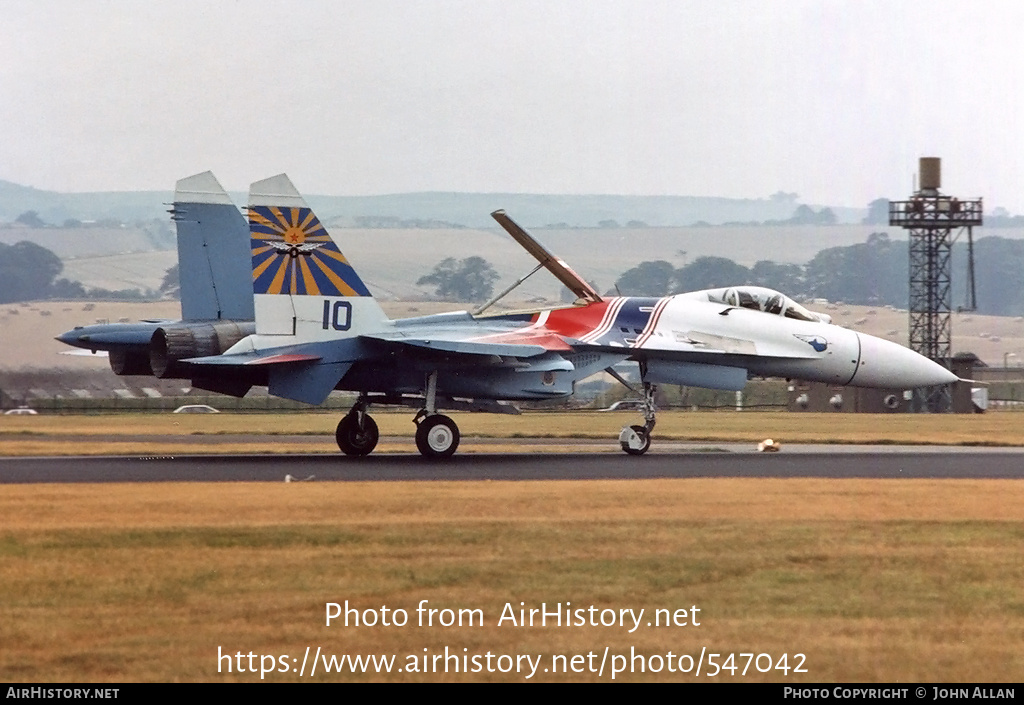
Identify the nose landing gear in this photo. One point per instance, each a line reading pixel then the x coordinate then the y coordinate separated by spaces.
pixel 636 440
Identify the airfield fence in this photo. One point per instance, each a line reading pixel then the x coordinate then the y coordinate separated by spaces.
pixel 59 404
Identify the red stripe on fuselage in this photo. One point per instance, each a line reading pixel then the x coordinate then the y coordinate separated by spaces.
pixel 653 323
pixel 529 336
pixel 278 359
pixel 578 321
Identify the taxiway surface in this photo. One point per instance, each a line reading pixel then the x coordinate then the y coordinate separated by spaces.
pixel 837 462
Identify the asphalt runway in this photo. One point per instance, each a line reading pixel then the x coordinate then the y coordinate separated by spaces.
pixel 669 461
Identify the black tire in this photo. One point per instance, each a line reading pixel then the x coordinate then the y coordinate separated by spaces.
pixel 642 432
pixel 437 436
pixel 353 440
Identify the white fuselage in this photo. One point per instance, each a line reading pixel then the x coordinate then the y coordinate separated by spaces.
pixel 773 345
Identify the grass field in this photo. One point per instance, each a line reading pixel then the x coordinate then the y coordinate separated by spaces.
pixel 105 434
pixel 870 580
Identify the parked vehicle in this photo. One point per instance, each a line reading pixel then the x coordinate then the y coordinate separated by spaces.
pixel 196 409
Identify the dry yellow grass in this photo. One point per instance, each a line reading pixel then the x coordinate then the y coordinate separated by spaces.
pixel 20 435
pixel 872 580
pixel 115 506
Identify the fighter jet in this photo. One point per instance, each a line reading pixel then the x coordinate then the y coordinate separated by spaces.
pixel 318 328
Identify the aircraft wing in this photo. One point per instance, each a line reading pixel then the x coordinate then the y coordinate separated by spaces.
pixel 304 373
pixel 525 342
pixel 464 347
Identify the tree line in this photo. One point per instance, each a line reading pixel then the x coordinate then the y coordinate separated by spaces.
pixel 30 272
pixel 872 273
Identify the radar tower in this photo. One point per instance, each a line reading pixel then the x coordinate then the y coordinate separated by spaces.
pixel 934 221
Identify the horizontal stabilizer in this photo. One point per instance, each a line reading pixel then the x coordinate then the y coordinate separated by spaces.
pixel 253 358
pixel 309 384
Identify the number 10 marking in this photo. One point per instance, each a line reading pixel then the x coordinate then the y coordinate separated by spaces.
pixel 338 316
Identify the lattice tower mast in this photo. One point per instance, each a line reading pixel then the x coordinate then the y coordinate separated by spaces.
pixel 933 222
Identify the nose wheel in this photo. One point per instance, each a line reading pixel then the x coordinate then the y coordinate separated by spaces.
pixel 636 440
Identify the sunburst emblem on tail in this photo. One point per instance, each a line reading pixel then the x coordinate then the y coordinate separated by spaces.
pixel 293 254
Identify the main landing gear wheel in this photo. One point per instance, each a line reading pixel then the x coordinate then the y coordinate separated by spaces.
pixel 635 440
pixel 353 440
pixel 437 436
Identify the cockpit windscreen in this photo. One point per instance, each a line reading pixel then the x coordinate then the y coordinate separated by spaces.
pixel 759 298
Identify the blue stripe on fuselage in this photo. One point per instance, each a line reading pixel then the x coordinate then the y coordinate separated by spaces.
pixel 630 321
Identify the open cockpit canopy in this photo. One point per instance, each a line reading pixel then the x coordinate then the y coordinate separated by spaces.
pixel 759 298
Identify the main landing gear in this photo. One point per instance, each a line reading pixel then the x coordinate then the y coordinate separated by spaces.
pixel 636 440
pixel 437 436
pixel 357 432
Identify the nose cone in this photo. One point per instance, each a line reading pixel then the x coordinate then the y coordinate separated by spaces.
pixel 887 365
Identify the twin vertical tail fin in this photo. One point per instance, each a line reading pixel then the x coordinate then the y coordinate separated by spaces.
pixel 213 248
pixel 302 284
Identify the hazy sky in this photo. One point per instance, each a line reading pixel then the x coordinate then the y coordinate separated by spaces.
pixel 834 100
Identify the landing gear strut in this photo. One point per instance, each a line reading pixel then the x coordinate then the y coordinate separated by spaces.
pixel 437 436
pixel 357 432
pixel 636 440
